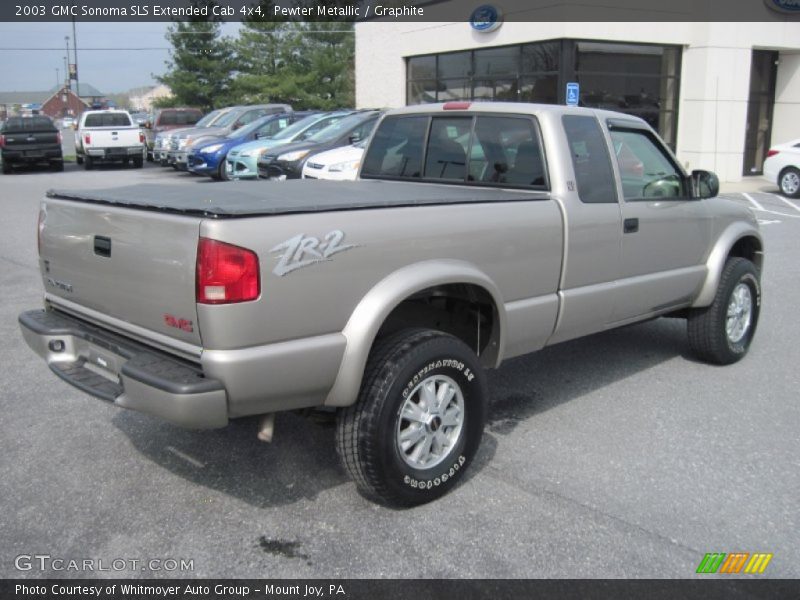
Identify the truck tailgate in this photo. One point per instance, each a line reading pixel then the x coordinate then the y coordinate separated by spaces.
pixel 131 265
pixel 111 137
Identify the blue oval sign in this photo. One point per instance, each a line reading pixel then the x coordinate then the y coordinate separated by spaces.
pixel 486 18
pixel 784 6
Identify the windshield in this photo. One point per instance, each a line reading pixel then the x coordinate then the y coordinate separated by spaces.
pixel 209 118
pixel 297 127
pixel 227 119
pixel 250 127
pixel 337 129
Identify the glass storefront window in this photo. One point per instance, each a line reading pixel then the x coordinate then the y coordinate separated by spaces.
pixel 637 79
pixel 541 58
pixel 458 64
pixel 422 67
pixel 500 90
pixel 542 89
pixel 497 61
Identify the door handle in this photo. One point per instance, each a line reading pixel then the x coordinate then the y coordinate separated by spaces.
pixel 630 226
pixel 102 246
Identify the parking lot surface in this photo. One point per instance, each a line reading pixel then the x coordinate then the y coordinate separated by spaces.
pixel 617 455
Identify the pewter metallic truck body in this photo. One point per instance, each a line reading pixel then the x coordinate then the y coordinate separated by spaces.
pixel 538 230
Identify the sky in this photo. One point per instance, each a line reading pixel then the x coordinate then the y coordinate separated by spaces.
pixel 131 54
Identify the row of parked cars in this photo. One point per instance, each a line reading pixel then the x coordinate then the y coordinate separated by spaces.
pixel 269 141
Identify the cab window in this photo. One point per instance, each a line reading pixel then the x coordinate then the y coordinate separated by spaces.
pixel 500 151
pixel 594 176
pixel 396 148
pixel 645 170
pixel 506 150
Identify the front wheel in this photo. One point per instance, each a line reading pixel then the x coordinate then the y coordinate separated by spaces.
pixel 721 333
pixel 789 182
pixel 418 419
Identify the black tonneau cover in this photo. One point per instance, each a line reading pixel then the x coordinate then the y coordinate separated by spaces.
pixel 249 198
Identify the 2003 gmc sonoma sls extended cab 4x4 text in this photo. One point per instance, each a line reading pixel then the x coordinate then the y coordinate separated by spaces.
pixel 476 232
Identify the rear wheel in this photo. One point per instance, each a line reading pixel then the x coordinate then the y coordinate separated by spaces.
pixel 88 163
pixel 138 162
pixel 789 182
pixel 418 419
pixel 721 333
pixel 7 168
pixel 79 159
pixel 57 165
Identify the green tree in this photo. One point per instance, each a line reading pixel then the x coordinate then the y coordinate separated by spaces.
pixel 201 66
pixel 306 64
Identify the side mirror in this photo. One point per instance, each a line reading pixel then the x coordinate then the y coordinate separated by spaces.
pixel 354 138
pixel 705 184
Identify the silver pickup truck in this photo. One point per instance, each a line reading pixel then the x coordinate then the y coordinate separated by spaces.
pixel 474 234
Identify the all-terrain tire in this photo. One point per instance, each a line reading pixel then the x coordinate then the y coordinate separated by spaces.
pixel 721 333
pixel 405 393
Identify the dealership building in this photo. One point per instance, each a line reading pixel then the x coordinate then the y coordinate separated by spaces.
pixel 719 93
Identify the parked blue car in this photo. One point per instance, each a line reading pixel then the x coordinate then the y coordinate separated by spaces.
pixel 208 157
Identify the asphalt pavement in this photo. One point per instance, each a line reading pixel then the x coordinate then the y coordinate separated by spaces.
pixel 618 455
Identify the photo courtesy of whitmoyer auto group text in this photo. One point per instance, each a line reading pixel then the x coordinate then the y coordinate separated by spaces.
pixel 400 299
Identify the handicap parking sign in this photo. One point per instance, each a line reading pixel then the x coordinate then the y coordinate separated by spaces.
pixel 573 93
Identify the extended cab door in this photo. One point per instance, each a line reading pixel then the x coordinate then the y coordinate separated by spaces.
pixel 593 227
pixel 665 231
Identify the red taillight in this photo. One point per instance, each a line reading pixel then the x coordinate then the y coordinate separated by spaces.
pixel 58 137
pixel 40 230
pixel 773 153
pixel 456 105
pixel 141 137
pixel 87 138
pixel 2 141
pixel 226 273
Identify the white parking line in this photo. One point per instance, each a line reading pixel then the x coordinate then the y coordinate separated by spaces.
pixel 760 208
pixel 788 202
pixel 753 201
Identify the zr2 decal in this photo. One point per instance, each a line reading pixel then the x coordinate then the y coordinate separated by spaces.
pixel 304 250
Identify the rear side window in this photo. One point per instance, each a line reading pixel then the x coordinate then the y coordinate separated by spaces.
pixel 593 174
pixel 396 148
pixel 107 120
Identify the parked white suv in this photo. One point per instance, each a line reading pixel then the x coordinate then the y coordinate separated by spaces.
pixel 108 135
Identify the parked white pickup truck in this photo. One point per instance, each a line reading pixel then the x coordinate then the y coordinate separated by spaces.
pixel 476 233
pixel 108 135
